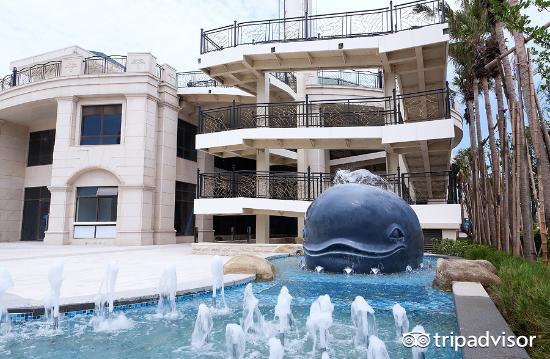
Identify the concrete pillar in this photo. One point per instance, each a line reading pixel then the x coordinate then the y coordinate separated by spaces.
pixel 166 138
pixel 262 220
pixel 205 223
pixel 14 141
pixel 262 96
pixel 392 162
pixel 449 233
pixel 62 200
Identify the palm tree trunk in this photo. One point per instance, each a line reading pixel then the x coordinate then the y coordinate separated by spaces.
pixel 495 167
pixel 525 83
pixel 485 200
pixel 475 214
pixel 504 213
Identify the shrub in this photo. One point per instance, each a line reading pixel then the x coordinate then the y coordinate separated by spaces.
pixel 523 297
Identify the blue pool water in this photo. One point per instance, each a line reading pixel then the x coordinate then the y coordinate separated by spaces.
pixel 170 338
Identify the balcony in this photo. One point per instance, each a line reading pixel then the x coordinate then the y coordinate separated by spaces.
pixel 31 74
pixel 356 112
pixel 373 22
pixel 415 188
pixel 350 78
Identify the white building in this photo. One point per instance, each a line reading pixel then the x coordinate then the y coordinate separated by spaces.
pixel 121 150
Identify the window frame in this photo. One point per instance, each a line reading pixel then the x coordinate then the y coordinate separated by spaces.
pixel 97 197
pixel 186 149
pixel 99 103
pixel 43 158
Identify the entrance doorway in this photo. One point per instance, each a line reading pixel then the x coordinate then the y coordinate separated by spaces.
pixel 35 213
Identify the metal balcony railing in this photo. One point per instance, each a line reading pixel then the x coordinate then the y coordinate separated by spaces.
pixel 196 79
pixel 415 188
pixel 31 74
pixel 288 78
pixel 354 112
pixel 350 78
pixel 95 65
pixel 326 26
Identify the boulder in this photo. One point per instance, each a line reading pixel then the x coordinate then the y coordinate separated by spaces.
pixel 463 270
pixel 250 264
pixel 290 249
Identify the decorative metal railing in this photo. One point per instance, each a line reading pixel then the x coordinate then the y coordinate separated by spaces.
pixel 288 78
pixel 326 26
pixel 31 74
pixel 415 188
pixel 104 64
pixel 196 79
pixel 350 78
pixel 366 111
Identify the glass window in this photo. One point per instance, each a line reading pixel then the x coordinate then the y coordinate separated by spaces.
pixel 186 141
pixel 36 210
pixel 96 204
pixel 184 220
pixel 101 125
pixel 41 145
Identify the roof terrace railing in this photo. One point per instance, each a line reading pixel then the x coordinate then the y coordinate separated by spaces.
pixel 196 79
pixel 373 22
pixel 414 187
pixel 350 78
pixel 94 65
pixel 31 74
pixel 353 112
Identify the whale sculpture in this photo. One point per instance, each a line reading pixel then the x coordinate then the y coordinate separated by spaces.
pixel 362 227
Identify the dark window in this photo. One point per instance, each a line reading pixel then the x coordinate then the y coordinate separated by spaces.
pixel 96 204
pixel 184 220
pixel 35 213
pixel 101 125
pixel 186 141
pixel 238 163
pixel 234 227
pixel 41 148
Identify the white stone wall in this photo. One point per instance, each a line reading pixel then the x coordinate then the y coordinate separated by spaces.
pixel 13 160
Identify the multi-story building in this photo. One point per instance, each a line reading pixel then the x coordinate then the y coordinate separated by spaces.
pixel 121 150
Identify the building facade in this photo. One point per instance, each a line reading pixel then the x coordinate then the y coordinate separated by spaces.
pixel 122 150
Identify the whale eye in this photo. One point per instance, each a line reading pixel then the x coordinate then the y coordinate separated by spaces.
pixel 397 235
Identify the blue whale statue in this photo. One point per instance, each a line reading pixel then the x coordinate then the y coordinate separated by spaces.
pixel 362 227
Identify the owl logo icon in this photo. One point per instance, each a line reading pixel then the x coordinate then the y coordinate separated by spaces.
pixel 415 339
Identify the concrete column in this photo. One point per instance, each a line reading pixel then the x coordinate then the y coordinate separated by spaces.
pixel 262 96
pixel 392 162
pixel 62 200
pixel 262 220
pixel 449 233
pixel 205 223
pixel 14 141
pixel 167 126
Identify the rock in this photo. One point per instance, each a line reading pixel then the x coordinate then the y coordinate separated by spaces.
pixel 463 270
pixel 290 249
pixel 250 264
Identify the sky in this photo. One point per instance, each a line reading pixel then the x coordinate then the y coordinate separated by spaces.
pixel 169 29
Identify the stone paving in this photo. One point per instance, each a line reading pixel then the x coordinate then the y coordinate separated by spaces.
pixel 139 270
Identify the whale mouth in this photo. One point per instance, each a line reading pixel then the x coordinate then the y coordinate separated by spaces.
pixel 348 247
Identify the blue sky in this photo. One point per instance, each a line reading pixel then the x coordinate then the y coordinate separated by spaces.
pixel 170 29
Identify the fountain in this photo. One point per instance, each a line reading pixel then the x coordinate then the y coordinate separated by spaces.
pixel 359 224
pixel 104 319
pixel 168 284
pixel 284 313
pixel 51 299
pixel 401 321
pixel 418 352
pixel 5 284
pixel 320 320
pixel 234 341
pixel 319 269
pixel 362 317
pixel 252 318
pixel 348 270
pixel 216 268
pixel 276 349
pixel 377 349
pixel 203 327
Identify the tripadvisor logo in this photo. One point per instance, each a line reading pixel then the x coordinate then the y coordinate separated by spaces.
pixel 422 340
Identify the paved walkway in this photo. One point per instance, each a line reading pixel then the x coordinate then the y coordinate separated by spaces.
pixel 139 270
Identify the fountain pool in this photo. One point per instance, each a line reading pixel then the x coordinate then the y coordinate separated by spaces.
pixel 153 337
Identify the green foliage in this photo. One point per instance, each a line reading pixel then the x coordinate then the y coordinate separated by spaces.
pixel 451 248
pixel 523 297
